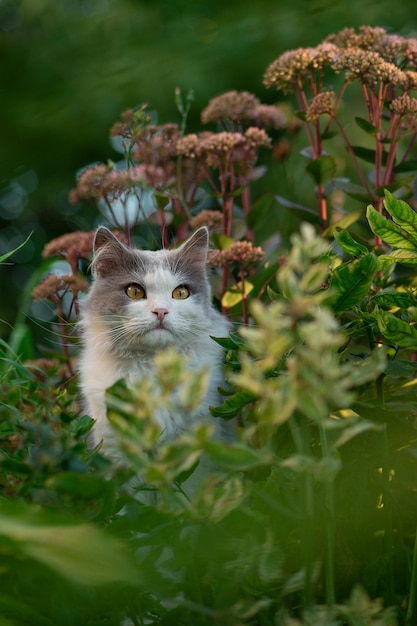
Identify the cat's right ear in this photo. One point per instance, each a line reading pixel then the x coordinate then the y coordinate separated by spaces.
pixel 102 237
pixel 108 251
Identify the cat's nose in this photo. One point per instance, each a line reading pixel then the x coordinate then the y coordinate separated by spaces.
pixel 160 313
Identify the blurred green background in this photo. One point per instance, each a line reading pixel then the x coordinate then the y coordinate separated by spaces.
pixel 69 67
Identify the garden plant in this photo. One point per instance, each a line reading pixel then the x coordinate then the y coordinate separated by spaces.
pixel 311 515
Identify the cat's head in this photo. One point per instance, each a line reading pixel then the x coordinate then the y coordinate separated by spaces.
pixel 147 300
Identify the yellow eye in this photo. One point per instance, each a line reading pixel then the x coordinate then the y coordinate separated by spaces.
pixel 135 291
pixel 180 293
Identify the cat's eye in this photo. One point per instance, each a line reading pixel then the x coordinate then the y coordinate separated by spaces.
pixel 135 292
pixel 181 292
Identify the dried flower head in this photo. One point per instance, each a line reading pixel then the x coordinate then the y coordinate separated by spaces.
pixel 368 66
pixel 241 148
pixel 156 176
pixel 322 103
pixel 411 78
pixel 368 37
pixel 212 219
pixel 232 105
pixel 294 64
pixel 47 288
pixel 77 244
pixel 74 283
pixel 406 108
pixel 243 252
pixel 215 258
pixel 53 286
pixel 132 122
pixel 257 137
pixel 400 51
pixel 268 116
pixel 404 105
pixel 154 145
pixel 187 146
pixel 103 181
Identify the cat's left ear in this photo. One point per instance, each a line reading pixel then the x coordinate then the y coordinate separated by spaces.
pixel 196 247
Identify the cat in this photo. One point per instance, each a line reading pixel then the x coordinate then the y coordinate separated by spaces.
pixel 142 302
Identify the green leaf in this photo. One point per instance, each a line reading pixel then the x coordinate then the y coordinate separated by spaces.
pixel 81 485
pixel 401 368
pixel 366 125
pixel 352 281
pixel 237 457
pixel 344 222
pixel 390 232
pixel 367 154
pixel 300 211
pixel 329 134
pixel 354 191
pixel 81 553
pixel 397 184
pixel 396 331
pixel 9 254
pixel 234 295
pixel 322 169
pixel 402 214
pixel 232 342
pixel 354 430
pixel 221 241
pixel 406 257
pixel 233 405
pixel 408 166
pixel 393 298
pixel 348 244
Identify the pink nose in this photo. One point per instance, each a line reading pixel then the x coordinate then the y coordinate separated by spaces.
pixel 160 313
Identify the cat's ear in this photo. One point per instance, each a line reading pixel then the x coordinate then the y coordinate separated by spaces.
pixel 104 236
pixel 196 247
pixel 108 251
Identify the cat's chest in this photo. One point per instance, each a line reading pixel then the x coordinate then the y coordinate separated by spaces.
pixel 172 419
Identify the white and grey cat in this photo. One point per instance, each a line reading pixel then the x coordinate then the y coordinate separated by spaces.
pixel 140 303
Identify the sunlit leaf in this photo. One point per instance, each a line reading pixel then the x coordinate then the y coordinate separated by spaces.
pixel 350 245
pixel 402 214
pixel 389 231
pixel 394 298
pixel 344 222
pixel 235 294
pixel 397 331
pixel 352 280
pixel 406 257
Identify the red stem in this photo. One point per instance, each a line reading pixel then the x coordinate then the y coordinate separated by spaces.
pixel 244 296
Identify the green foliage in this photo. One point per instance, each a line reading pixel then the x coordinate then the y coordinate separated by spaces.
pixel 276 524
